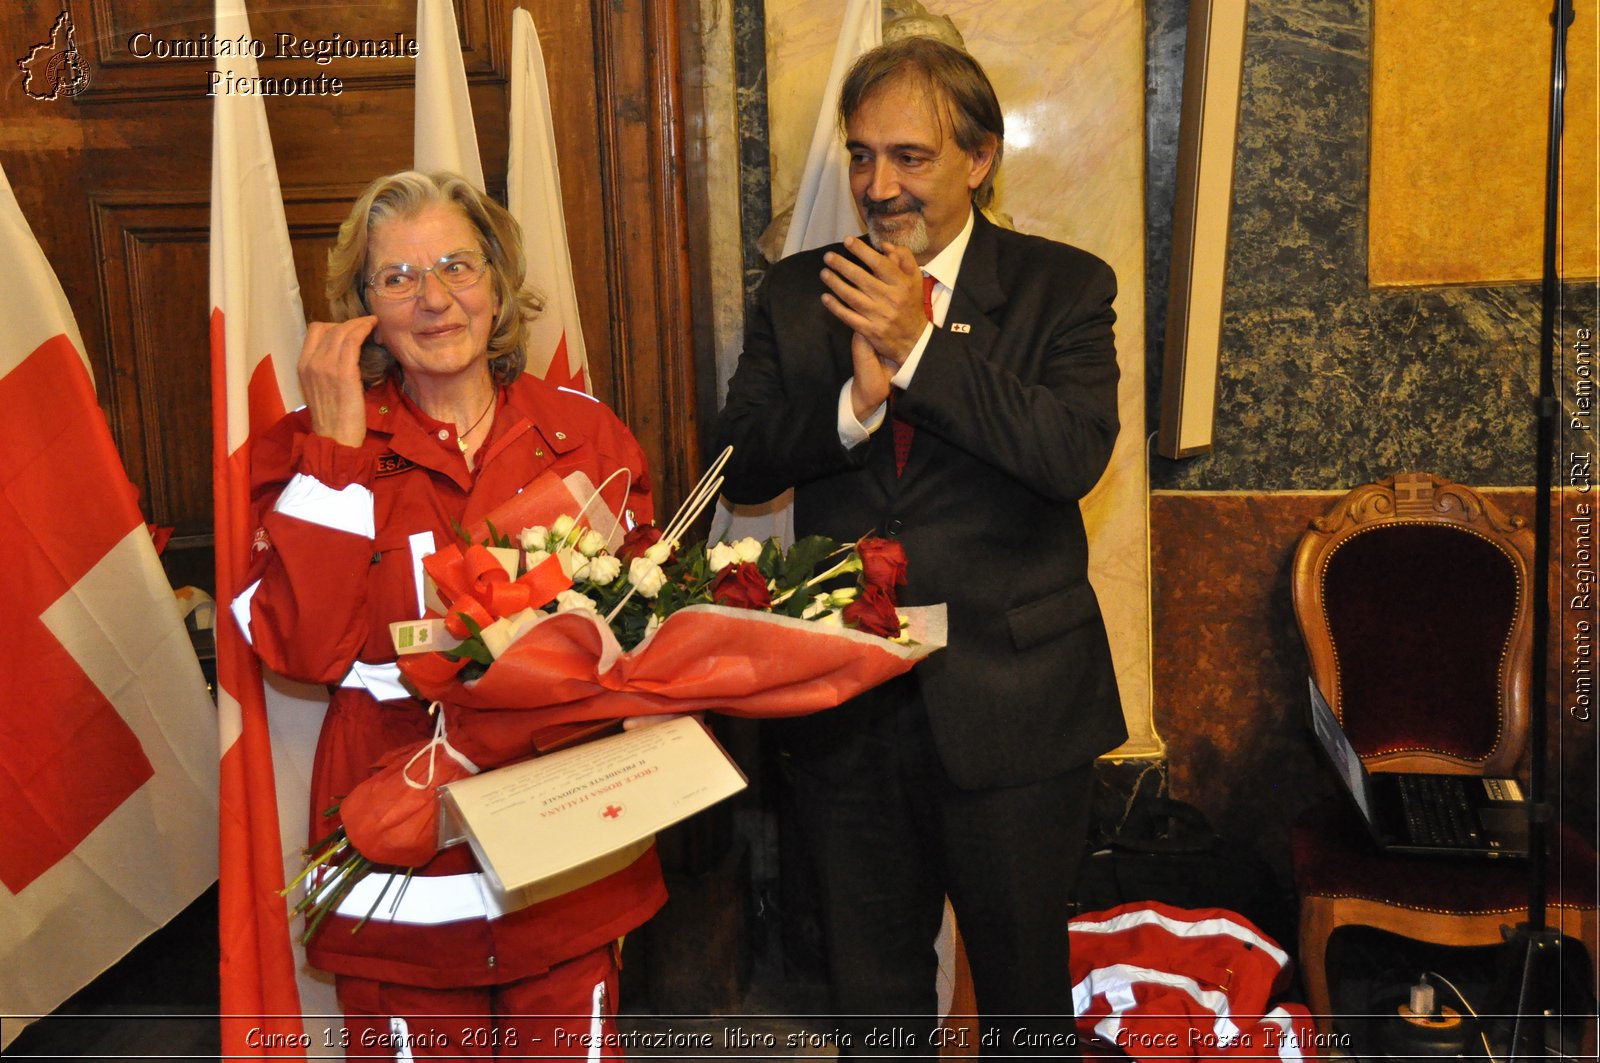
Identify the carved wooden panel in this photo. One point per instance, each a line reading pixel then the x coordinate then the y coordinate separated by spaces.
pixel 151 254
pixel 158 49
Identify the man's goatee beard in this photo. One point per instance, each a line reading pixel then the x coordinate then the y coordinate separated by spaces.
pixel 912 236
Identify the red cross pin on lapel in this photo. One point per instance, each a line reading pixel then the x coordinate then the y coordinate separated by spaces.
pixel 960 326
pixel 612 812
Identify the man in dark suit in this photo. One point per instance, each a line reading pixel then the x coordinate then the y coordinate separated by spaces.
pixel 953 385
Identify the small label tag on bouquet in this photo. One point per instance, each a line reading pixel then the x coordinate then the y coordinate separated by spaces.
pixel 421 636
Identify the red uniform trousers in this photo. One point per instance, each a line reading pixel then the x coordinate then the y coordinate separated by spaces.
pixel 564 1013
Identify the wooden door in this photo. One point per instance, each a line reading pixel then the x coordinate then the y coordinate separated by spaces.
pixel 108 149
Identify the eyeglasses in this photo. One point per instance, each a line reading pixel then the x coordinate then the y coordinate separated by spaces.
pixel 457 270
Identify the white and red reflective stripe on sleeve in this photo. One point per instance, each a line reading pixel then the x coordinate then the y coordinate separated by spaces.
pixel 1181 927
pixel 349 509
pixel 1117 985
pixel 382 681
pixel 1288 1040
pixel 400 1034
pixel 426 900
pixel 597 1022
pixel 309 499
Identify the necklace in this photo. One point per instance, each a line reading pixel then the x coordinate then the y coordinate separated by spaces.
pixel 461 437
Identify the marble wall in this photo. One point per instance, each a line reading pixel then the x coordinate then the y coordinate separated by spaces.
pixel 1324 384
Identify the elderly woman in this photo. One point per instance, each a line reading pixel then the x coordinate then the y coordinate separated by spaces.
pixel 418 419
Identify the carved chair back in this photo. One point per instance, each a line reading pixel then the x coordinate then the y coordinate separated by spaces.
pixel 1412 595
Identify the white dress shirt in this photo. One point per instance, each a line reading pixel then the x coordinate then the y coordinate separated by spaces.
pixel 943 268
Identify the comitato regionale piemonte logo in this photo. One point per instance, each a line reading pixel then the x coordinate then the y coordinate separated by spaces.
pixel 54 68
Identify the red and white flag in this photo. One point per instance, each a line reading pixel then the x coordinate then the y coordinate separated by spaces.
pixel 444 137
pixel 824 213
pixel 824 209
pixel 533 194
pixel 268 726
pixel 107 828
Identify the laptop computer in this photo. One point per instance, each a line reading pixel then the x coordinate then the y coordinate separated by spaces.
pixel 1422 813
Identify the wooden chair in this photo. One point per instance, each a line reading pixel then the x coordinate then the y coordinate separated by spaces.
pixel 1413 597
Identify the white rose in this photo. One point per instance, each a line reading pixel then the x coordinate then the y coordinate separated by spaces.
pixel 535 558
pixel 573 602
pixel 534 538
pixel 572 562
pixel 562 527
pixel 659 553
pixel 748 549
pixel 591 543
pixel 721 556
pixel 602 570
pixel 646 575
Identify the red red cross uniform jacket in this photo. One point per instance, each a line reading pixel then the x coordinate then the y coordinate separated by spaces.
pixel 341 532
pixel 1159 982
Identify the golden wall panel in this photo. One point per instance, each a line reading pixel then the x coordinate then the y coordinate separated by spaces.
pixel 1460 111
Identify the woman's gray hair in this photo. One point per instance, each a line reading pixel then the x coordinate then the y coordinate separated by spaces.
pixel 405 195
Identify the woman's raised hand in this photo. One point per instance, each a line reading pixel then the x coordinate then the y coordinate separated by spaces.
pixel 330 378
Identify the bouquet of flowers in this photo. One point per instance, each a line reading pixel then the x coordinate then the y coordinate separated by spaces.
pixel 570 625
pixel 568 620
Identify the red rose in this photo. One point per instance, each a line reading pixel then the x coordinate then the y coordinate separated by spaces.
pixel 873 612
pixel 741 586
pixel 637 541
pixel 883 563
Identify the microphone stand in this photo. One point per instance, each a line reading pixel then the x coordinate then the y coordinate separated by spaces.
pixel 1532 953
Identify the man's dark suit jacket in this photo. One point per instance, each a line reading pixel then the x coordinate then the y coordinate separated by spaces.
pixel 1015 421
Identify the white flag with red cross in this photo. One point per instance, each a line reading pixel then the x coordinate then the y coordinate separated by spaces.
pixel 107 733
pixel 555 345
pixel 825 209
pixel 824 213
pixel 443 134
pixel 268 725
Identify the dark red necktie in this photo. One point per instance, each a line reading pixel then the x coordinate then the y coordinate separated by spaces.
pixel 903 432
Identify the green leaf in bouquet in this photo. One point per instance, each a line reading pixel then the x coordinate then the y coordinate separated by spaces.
pixel 695 569
pixel 804 557
pixel 607 597
pixel 795 605
pixel 496 538
pixel 672 597
pixel 631 624
pixel 770 563
pixel 461 532
pixel 472 647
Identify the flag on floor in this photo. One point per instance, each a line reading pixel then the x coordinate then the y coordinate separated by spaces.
pixel 533 193
pixel 268 726
pixel 444 137
pixel 107 829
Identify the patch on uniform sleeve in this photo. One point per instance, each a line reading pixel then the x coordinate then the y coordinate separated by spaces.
pixel 391 463
pixel 260 542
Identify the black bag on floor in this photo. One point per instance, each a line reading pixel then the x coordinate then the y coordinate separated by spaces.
pixel 1166 850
